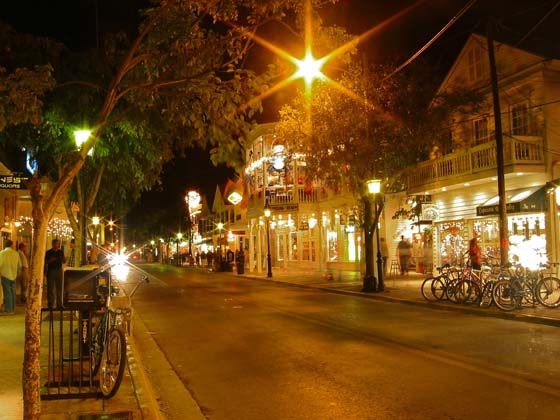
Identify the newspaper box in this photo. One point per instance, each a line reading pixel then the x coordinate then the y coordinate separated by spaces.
pixel 80 287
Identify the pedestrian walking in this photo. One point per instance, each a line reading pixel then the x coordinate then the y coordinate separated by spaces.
pixel 9 267
pixel 404 251
pixel 54 258
pixel 23 275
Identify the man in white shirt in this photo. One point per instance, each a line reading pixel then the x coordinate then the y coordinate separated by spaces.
pixel 10 263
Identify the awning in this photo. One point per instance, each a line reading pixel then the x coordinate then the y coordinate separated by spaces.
pixel 522 200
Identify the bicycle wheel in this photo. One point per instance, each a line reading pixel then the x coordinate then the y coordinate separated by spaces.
pixel 427 291
pixel 438 288
pixel 486 298
pixel 112 363
pixel 465 291
pixel 96 350
pixel 548 292
pixel 504 295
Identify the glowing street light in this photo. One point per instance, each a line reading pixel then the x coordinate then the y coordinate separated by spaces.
pixel 81 137
pixel 309 68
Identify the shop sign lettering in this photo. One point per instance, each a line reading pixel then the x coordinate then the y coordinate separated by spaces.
pixel 284 207
pixel 494 210
pixel 11 182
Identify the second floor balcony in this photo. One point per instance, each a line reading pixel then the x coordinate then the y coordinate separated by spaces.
pixel 520 154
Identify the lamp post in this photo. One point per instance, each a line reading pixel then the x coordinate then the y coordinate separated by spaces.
pixel 374 187
pixel 179 237
pixel 111 224
pixel 268 258
pixel 220 227
pixel 95 221
pixel 80 137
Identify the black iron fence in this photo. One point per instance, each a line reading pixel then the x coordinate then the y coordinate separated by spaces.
pixel 67 365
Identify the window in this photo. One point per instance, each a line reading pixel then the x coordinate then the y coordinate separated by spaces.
pixel 475 63
pixel 481 131
pixel 520 120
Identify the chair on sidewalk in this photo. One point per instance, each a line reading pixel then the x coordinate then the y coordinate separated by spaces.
pixel 395 268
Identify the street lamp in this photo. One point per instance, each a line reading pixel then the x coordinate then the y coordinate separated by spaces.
pixel 268 258
pixel 179 237
pixel 95 221
pixel 374 187
pixel 80 137
pixel 220 226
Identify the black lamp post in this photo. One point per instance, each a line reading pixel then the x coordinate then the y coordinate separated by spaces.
pixel 268 258
pixel 220 227
pixel 374 187
pixel 380 271
pixel 179 237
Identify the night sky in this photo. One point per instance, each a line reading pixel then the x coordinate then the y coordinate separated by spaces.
pixel 74 23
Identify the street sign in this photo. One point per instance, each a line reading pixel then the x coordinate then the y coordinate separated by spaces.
pixel 12 182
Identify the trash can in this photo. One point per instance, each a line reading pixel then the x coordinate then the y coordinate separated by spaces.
pixel 240 263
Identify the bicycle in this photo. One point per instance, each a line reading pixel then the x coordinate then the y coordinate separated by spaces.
pixel 548 288
pixel 520 288
pixel 107 352
pixel 435 288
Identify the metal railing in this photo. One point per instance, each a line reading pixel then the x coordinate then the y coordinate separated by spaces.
pixel 474 160
pixel 66 372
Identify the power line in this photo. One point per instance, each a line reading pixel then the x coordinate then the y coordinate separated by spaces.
pixel 538 23
pixel 431 41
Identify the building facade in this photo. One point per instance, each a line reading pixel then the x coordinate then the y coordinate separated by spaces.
pixel 309 225
pixel 460 187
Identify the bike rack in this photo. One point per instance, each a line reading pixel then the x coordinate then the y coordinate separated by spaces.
pixel 66 372
pixel 67 369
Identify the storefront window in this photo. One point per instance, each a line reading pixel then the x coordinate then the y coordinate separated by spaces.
pixel 527 240
pixel 293 246
pixel 332 243
pixel 452 244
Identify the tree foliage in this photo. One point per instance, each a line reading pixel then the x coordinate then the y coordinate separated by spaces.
pixel 23 79
pixel 385 125
pixel 182 80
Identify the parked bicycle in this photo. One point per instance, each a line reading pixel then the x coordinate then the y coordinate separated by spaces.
pixel 548 287
pixel 528 288
pixel 108 342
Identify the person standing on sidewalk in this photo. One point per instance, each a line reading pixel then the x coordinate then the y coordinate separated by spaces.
pixel 403 251
pixel 23 276
pixel 54 258
pixel 9 266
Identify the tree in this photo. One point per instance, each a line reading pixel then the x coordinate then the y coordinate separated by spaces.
pixel 376 126
pixel 185 67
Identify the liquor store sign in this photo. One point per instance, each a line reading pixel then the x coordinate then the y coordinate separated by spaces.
pixel 12 182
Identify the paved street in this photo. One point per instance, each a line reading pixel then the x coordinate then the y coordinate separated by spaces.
pixel 248 349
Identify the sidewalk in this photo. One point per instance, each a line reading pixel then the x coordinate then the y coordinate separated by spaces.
pixel 402 289
pixel 124 405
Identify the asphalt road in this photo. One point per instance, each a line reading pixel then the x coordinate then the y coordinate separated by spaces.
pixel 251 350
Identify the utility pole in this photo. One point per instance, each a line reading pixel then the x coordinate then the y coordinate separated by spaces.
pixel 502 206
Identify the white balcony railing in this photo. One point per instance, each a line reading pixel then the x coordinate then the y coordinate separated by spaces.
pixel 475 160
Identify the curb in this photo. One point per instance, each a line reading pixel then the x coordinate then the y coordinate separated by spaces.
pixel 511 316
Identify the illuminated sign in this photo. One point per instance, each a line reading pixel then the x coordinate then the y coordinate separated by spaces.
pixel 12 182
pixel 235 198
